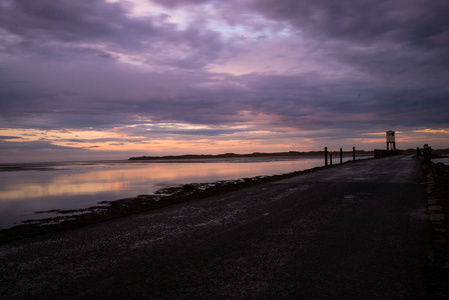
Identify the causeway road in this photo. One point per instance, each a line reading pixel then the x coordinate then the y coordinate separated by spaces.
pixel 350 231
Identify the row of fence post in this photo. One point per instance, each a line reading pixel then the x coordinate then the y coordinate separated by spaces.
pixel 427 153
pixel 341 156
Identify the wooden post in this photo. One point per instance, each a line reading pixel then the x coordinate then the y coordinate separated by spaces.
pixel 341 155
pixel 325 156
pixel 427 151
pixel 330 156
pixel 353 153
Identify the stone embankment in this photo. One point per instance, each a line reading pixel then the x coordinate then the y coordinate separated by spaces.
pixel 437 184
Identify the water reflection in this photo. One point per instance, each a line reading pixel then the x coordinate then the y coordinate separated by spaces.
pixel 444 160
pixel 77 186
pixel 146 176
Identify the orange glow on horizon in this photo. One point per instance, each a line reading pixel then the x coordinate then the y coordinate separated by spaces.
pixel 123 142
pixel 428 130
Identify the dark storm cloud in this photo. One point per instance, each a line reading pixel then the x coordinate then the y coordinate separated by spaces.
pixel 310 103
pixel 157 130
pixel 68 29
pixel 2 137
pixel 420 24
pixel 33 146
pixel 26 105
pixel 401 47
pixel 84 20
pixel 66 77
pixel 389 39
pixel 413 21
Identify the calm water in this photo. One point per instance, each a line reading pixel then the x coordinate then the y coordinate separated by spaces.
pixel 442 160
pixel 80 185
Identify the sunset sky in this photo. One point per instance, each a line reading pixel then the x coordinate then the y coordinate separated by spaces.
pixel 110 79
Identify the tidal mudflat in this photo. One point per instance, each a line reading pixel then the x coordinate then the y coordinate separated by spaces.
pixel 44 190
pixel 48 194
pixel 84 193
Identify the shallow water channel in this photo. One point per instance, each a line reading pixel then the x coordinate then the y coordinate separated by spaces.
pixel 25 191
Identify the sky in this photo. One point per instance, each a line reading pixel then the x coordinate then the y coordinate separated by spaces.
pixel 111 79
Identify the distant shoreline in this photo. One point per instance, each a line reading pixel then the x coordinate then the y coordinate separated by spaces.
pixel 254 154
pixel 188 158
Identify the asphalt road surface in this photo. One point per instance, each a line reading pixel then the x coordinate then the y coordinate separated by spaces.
pixel 353 231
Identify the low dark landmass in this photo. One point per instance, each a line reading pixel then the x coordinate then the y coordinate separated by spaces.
pixel 438 153
pixel 24 167
pixel 254 154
